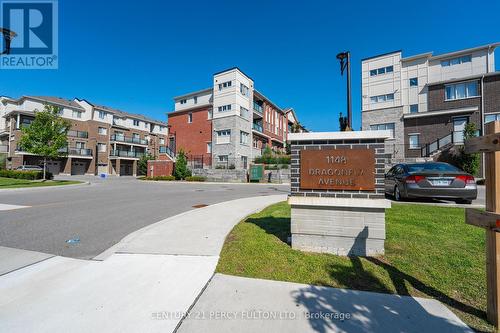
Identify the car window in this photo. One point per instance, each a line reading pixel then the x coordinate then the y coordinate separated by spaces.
pixel 431 167
pixel 391 171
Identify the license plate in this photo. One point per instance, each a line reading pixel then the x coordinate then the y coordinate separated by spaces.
pixel 440 182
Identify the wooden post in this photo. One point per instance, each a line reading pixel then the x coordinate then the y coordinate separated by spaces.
pixel 490 220
pixel 492 176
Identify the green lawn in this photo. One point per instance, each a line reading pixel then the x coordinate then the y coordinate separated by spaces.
pixel 18 183
pixel 430 252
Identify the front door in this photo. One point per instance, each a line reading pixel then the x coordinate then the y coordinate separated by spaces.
pixel 458 129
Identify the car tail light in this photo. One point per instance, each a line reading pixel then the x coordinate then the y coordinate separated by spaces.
pixel 414 179
pixel 466 179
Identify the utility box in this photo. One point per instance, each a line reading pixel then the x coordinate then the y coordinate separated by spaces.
pixel 256 172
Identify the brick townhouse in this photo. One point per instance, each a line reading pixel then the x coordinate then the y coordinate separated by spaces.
pixel 101 139
pixel 230 123
pixel 426 99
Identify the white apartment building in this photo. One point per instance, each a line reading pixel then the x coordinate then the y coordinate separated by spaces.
pixel 424 98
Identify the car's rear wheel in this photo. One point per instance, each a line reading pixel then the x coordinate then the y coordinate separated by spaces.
pixel 397 193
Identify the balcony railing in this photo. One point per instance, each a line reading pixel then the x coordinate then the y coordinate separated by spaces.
pixel 166 150
pixel 257 127
pixel 257 108
pixel 76 151
pixel 123 138
pixel 78 134
pixel 126 153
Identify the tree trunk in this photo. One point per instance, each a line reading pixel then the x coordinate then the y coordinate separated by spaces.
pixel 44 167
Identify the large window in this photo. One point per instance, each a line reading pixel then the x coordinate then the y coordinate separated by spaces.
pixel 456 61
pixel 223 136
pixel 77 114
pixel 414 140
pixel 103 131
pixel 461 90
pixel 244 138
pixel 224 108
pixel 491 117
pixel 183 101
pixel 381 70
pixel 225 85
pixel 382 127
pixel 102 114
pixel 243 89
pixel 413 108
pixel 382 98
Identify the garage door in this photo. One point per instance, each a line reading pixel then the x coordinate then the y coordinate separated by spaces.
pixel 78 167
pixel 54 167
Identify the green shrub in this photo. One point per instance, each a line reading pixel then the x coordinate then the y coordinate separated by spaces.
pixel 195 179
pixel 27 175
pixel 160 178
pixel 181 170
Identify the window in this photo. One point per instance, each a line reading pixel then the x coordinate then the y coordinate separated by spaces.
pixel 382 127
pixel 414 141
pixel 244 162
pixel 162 141
pixel 102 114
pixel 102 131
pixel 210 114
pixel 195 99
pixel 244 138
pixel 190 117
pixel 183 101
pixel 101 147
pixel 461 90
pixel 255 143
pixel 491 117
pixel 224 108
pixel 136 136
pixel 456 61
pixel 243 89
pixel 223 158
pixel 382 98
pixel 223 136
pixel 136 122
pixel 225 85
pixel 414 108
pixel 381 70
pixel 209 147
pixel 77 114
pixel 244 112
pixel 413 82
pixel 79 145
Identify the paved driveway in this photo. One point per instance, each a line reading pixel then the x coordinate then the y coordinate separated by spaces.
pixel 102 213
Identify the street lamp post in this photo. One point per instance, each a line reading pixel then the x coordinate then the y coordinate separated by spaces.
pixel 345 63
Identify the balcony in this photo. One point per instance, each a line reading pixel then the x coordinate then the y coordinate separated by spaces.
pixel 166 150
pixel 257 127
pixel 85 152
pixel 257 108
pixel 126 153
pixel 123 138
pixel 78 134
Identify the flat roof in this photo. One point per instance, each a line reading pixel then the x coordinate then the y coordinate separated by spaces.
pixel 381 55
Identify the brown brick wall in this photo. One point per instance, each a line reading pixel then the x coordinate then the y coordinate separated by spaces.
pixel 436 99
pixel 192 137
pixel 160 168
pixel 492 94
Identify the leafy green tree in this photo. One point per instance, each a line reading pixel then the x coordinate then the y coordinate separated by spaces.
pixel 468 162
pixel 142 165
pixel 46 136
pixel 181 170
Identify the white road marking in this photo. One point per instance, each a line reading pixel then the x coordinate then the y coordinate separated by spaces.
pixel 11 207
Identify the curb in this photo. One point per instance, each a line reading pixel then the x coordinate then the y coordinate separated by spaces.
pixel 41 187
pixel 210 183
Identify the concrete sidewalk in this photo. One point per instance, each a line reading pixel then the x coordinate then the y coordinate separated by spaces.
pixel 236 304
pixel 147 287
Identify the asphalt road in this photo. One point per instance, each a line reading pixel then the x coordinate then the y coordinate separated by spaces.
pixel 102 213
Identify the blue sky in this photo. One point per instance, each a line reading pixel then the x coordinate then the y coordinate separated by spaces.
pixel 138 55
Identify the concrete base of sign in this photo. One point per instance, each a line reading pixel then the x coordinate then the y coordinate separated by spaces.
pixel 340 226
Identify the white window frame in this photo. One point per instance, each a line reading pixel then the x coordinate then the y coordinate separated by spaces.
pixel 244 90
pixel 244 138
pixel 224 108
pixel 136 122
pixel 382 98
pixel 381 70
pixel 244 112
pixel 223 158
pixel 183 101
pixel 410 82
pixel 102 131
pixel 102 115
pixel 455 85
pixel 223 136
pixel 385 127
pixel 413 105
pixel 225 85
pixel 496 115
pixel 456 61
pixel 76 114
pixel 417 146
pixel 99 147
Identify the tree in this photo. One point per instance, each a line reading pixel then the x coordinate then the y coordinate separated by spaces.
pixel 142 165
pixel 181 170
pixel 46 136
pixel 468 162
pixel 343 125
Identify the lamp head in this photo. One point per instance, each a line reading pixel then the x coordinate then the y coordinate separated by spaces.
pixel 341 56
